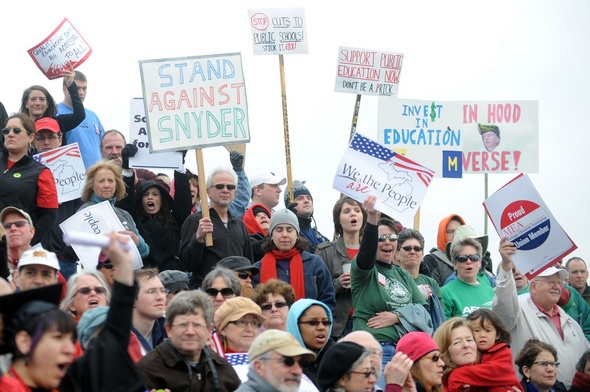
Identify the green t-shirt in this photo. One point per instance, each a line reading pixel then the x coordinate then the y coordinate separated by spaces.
pixel 461 298
pixel 381 289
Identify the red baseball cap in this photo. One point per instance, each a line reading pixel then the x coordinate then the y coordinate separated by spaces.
pixel 47 123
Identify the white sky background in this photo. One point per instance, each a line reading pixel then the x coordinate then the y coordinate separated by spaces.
pixel 453 50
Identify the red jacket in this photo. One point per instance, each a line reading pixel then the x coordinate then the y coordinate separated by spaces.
pixel 495 373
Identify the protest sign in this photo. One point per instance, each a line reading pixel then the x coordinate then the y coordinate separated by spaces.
pixel 368 72
pixel 518 212
pixel 97 219
pixel 278 31
pixel 138 135
pixel 446 135
pixel 367 168
pixel 195 102
pixel 68 170
pixel 64 46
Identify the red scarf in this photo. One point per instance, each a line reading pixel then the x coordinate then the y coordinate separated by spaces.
pixel 269 269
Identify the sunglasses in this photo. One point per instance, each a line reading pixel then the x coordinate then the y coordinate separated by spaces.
pixel 290 361
pixel 315 323
pixel 87 290
pixel 391 238
pixel 464 258
pixel 244 275
pixel 16 131
pixel 434 358
pixel 227 292
pixel 104 265
pixel 230 187
pixel 415 248
pixel 277 305
pixel 8 225
pixel 367 374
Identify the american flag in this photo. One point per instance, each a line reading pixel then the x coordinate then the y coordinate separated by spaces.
pixel 70 150
pixel 237 359
pixel 376 150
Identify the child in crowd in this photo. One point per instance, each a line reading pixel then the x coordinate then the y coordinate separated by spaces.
pixel 495 371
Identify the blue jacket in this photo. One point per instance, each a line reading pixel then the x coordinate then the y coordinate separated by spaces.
pixel 318 282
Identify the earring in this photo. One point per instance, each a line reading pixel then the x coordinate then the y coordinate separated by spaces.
pixel 27 358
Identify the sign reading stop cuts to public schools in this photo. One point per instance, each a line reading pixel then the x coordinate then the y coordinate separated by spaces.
pixel 195 102
pixel 518 212
pixel 278 31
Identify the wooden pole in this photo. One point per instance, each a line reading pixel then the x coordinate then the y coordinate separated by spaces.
pixel 286 129
pixel 417 220
pixel 485 216
pixel 203 192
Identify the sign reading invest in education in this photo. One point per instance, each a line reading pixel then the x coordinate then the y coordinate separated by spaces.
pixel 455 137
pixel 518 212
pixel 195 102
pixel 278 31
pixel 368 72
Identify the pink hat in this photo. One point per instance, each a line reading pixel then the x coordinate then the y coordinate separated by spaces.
pixel 416 345
pixel 47 123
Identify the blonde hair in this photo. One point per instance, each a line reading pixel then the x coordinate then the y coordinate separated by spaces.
pixel 442 338
pixel 91 174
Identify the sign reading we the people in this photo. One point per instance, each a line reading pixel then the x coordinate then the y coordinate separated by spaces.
pixel 138 136
pixel 368 72
pixel 456 137
pixel 367 168
pixel 68 170
pixel 518 212
pixel 64 46
pixel 195 102
pixel 278 31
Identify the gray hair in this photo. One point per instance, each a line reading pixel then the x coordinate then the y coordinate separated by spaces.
pixel 219 170
pixel 73 287
pixel 228 276
pixel 188 302
pixel 457 245
pixel 407 234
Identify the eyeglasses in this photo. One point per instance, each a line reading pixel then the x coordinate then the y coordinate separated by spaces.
pixel 244 275
pixel 227 292
pixel 154 292
pixel 290 361
pixel 104 265
pixel 546 363
pixel 315 323
pixel 87 290
pixel 551 283
pixel 434 358
pixel 367 374
pixel 7 130
pixel 185 326
pixel 46 137
pixel 244 323
pixel 464 258
pixel 230 187
pixel 415 248
pixel 277 305
pixel 391 238
pixel 8 225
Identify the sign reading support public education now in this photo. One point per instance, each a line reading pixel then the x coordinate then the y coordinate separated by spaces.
pixel 455 137
pixel 368 72
pixel 369 169
pixel 278 31
pixel 195 102
pixel 62 47
pixel 68 170
pixel 518 212
pixel 138 136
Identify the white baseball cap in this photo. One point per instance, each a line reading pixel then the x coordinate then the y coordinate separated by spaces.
pixel 38 256
pixel 267 178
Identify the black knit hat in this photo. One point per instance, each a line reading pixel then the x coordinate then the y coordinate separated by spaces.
pixel 337 361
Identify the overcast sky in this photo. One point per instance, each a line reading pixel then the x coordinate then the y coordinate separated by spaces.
pixel 453 50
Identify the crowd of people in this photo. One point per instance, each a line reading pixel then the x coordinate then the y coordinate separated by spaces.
pixel 272 304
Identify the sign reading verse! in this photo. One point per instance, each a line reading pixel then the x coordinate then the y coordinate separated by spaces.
pixel 278 31
pixel 63 46
pixel 195 102
pixel 368 72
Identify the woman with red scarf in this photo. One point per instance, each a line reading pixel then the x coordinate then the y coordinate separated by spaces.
pixel 286 258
